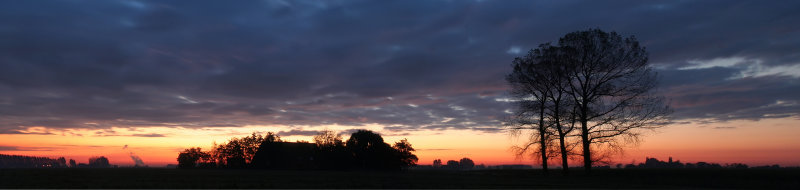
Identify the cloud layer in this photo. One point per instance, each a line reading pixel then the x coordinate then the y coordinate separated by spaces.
pixel 406 65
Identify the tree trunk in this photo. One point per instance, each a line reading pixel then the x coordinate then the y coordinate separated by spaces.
pixel 561 135
pixel 543 140
pixel 564 163
pixel 587 154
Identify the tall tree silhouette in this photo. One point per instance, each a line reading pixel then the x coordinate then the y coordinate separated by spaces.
pixel 554 78
pixel 597 79
pixel 531 105
pixel 611 84
pixel 538 84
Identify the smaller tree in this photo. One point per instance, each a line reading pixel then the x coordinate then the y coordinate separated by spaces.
pixel 437 163
pixel 466 164
pixel 452 164
pixel 99 162
pixel 371 152
pixel 72 163
pixel 330 151
pixel 404 150
pixel 531 92
pixel 328 138
pixel 62 162
pixel 368 149
pixel 190 157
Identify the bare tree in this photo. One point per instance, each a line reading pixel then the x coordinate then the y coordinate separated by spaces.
pixel 555 79
pixel 540 86
pixel 530 95
pixel 328 138
pixel 597 80
pixel 241 150
pixel 610 83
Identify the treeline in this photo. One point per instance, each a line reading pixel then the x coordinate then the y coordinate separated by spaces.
pixel 655 163
pixel 463 164
pixel 364 150
pixel 17 161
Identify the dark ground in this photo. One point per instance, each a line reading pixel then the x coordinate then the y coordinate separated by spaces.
pixel 601 178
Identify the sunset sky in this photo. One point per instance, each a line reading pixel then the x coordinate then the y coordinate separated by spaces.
pixel 86 78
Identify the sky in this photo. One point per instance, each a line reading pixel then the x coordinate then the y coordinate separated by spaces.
pixel 87 78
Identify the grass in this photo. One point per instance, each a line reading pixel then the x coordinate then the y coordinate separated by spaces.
pixel 602 178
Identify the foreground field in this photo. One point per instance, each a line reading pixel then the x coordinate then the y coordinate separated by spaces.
pixel 174 178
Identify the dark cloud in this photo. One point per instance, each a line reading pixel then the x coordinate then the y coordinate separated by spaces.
pixel 348 133
pixel 406 65
pixel 19 148
pixel 23 130
pixel 295 132
pixel 710 93
pixel 149 135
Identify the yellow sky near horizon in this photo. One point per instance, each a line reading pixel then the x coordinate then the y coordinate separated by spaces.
pixel 767 141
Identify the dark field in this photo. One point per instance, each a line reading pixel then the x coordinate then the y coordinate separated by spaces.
pixel 174 178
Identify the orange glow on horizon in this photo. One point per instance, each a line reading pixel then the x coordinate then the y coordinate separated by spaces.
pixel 768 141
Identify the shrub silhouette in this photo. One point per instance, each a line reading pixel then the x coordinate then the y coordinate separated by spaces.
pixel 466 164
pixel 190 158
pixel 364 150
pixel 99 162
pixel 284 155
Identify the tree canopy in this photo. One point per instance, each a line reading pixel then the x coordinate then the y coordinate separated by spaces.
pixel 596 82
pixel 364 150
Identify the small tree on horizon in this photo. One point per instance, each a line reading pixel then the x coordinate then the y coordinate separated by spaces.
pixel 192 157
pixel 437 163
pixel 466 164
pixel 405 153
